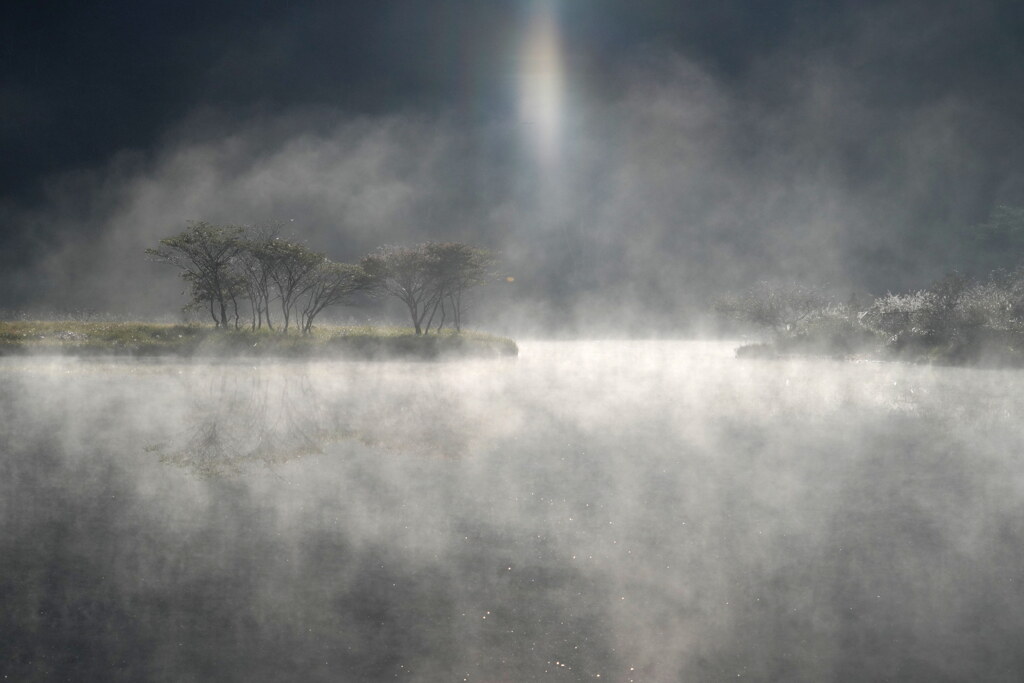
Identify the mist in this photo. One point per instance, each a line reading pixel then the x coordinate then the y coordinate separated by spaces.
pixel 670 179
pixel 634 510
pixel 631 498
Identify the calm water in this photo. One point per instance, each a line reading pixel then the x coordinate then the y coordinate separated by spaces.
pixel 638 511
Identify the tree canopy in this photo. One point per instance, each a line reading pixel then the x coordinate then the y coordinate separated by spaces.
pixel 226 266
pixel 229 266
pixel 205 254
pixel 430 279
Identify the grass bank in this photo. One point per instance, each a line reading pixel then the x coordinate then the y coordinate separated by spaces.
pixel 194 340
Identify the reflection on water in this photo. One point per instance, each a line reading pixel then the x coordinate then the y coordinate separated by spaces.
pixel 639 511
pixel 238 418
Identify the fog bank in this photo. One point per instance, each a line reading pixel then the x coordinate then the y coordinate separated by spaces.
pixel 674 182
pixel 645 511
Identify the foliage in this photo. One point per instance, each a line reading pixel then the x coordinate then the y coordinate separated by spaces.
pixel 227 266
pixel 955 319
pixel 292 269
pixel 205 254
pixel 833 329
pixel 407 274
pixel 896 314
pixel 430 278
pixel 458 268
pixel 329 284
pixel 952 310
pixel 254 264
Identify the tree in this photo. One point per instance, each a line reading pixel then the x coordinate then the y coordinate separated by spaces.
pixel 290 267
pixel 407 274
pixel 431 279
pixel 253 264
pixel 331 284
pixel 205 254
pixel 227 265
pixel 458 268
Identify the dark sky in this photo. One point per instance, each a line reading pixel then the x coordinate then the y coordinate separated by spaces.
pixel 758 132
pixel 82 81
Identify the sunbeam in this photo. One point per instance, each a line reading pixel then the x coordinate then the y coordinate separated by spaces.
pixel 542 82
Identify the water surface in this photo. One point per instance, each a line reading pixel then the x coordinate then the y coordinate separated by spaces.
pixel 638 511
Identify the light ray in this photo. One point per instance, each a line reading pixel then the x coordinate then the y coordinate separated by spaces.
pixel 542 83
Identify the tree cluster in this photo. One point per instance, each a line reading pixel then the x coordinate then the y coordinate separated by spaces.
pixel 430 279
pixel 956 318
pixel 954 309
pixel 237 272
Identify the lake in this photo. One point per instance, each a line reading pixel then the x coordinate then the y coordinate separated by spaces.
pixel 628 510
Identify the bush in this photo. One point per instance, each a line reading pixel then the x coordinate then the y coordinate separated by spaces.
pixel 831 330
pixel 955 320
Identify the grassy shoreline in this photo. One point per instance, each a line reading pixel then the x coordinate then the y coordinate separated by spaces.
pixel 79 338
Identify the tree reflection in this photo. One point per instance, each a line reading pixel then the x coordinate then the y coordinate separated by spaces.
pixel 243 418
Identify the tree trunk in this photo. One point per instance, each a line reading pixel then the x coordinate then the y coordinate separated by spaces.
pixel 455 297
pixel 416 319
pixel 433 311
